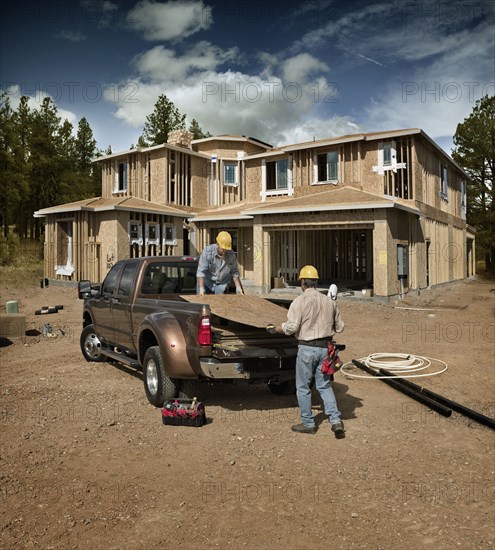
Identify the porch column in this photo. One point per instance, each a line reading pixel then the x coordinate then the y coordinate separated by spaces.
pixel 261 249
pixel 384 256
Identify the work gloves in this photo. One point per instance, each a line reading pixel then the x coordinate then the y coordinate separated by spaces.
pixel 271 329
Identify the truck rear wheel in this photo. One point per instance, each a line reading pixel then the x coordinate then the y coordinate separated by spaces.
pixel 286 387
pixel 91 345
pixel 158 386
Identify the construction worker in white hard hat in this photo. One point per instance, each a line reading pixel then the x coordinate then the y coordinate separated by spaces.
pixel 218 266
pixel 313 319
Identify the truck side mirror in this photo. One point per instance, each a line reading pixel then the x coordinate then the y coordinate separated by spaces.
pixel 84 289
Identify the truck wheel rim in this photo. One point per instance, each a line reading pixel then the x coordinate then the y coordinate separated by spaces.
pixel 92 346
pixel 152 376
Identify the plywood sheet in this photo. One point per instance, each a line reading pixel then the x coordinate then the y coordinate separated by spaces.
pixel 242 308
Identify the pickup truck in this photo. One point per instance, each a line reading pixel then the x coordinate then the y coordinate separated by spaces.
pixel 147 316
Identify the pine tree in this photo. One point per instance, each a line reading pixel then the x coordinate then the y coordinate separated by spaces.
pixel 161 122
pixel 197 131
pixel 475 151
pixel 45 167
pixel 13 164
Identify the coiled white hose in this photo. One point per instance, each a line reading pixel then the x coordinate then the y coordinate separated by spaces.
pixel 398 364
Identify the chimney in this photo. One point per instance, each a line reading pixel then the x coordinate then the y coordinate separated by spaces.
pixel 180 138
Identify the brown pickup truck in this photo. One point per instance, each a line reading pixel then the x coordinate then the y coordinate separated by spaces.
pixel 146 315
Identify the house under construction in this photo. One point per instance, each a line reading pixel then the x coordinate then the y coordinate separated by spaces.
pixel 384 211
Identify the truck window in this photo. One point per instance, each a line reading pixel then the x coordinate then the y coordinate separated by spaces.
pixel 160 279
pixel 127 279
pixel 188 278
pixel 110 282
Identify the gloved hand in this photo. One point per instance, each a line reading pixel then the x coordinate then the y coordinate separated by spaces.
pixel 201 291
pixel 239 291
pixel 271 329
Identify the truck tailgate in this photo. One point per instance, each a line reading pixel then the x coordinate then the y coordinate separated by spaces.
pixel 242 308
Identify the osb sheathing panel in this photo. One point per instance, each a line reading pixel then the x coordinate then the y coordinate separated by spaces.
pixel 107 180
pixel 199 182
pixel 158 173
pixel 253 180
pixel 122 234
pixel 107 235
pixel 427 172
pixel 247 309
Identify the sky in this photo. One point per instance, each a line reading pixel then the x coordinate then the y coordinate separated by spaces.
pixel 280 71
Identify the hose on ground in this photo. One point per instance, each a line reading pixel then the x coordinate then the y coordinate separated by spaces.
pixel 405 365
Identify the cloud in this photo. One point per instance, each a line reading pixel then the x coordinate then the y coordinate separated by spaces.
pixel 171 20
pixel 265 106
pixel 71 36
pixel 163 64
pixel 300 67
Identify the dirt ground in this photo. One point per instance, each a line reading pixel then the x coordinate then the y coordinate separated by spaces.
pixel 86 462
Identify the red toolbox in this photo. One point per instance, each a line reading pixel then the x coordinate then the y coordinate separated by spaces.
pixel 184 412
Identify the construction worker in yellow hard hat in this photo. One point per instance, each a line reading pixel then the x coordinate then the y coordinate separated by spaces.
pixel 313 319
pixel 218 266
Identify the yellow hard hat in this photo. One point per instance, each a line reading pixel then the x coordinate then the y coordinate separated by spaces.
pixel 308 272
pixel 224 240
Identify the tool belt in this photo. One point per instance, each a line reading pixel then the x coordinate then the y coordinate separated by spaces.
pixel 318 343
pixel 332 362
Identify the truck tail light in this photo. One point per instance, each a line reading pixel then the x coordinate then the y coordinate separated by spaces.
pixel 204 331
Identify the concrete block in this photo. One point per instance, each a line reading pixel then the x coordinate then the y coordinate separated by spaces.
pixel 13 326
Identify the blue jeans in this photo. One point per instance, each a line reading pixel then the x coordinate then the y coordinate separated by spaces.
pixel 308 362
pixel 217 289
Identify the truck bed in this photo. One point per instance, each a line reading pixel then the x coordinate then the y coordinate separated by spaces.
pixel 242 308
pixel 238 327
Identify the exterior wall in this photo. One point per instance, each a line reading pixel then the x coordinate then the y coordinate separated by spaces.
pixel 427 172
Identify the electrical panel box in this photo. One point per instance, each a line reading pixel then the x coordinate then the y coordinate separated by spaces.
pixel 402 261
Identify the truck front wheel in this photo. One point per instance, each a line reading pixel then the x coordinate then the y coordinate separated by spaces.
pixel 158 386
pixel 91 345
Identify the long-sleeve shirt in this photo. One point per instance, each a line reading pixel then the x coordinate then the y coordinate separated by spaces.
pixel 217 269
pixel 312 316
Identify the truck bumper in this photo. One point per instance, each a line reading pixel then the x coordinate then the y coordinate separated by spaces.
pixel 212 368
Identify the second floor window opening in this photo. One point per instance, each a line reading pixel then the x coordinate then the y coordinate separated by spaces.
pixel 387 153
pixel 230 173
pixel 276 175
pixel 328 167
pixel 120 177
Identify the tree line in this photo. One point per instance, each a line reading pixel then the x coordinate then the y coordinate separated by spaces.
pixel 44 163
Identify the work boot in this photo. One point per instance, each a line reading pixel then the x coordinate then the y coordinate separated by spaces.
pixel 338 430
pixel 303 429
